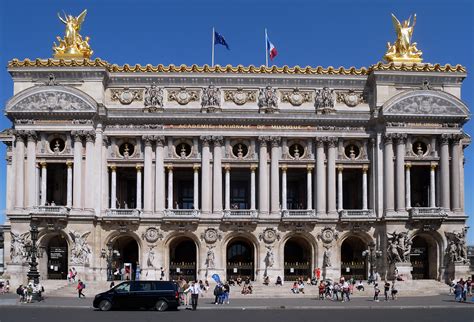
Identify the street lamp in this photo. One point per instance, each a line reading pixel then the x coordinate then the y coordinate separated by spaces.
pixel 33 273
pixel 108 255
pixel 372 254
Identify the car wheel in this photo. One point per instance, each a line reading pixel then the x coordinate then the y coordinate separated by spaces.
pixel 161 305
pixel 105 305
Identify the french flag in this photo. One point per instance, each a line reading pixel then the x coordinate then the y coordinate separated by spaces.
pixel 272 51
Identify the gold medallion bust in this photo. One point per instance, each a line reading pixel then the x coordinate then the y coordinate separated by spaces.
pixel 73 45
pixel 403 50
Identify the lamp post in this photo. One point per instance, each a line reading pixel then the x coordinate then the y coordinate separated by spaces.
pixel 108 255
pixel 372 254
pixel 33 273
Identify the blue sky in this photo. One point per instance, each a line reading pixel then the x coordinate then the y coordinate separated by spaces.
pixel 327 33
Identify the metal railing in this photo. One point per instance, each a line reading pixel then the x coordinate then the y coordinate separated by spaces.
pixel 298 213
pixel 51 210
pixel 357 213
pixel 123 212
pixel 182 212
pixel 240 213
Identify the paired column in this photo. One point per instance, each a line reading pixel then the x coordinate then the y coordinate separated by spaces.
pixel 217 175
pixel 43 182
pixel 196 186
pixel 408 185
pixel 263 175
pixel 432 185
pixel 400 171
pixel 90 179
pixel 170 186
pixel 148 178
pixel 205 175
pixel 284 168
pixel 69 184
pixel 77 178
pixel 227 186
pixel 113 188
pixel 160 175
pixel 20 170
pixel 331 175
pixel 364 188
pixel 139 186
pixel 253 167
pixel 31 169
pixel 455 173
pixel 339 188
pixel 320 177
pixel 388 173
pixel 444 169
pixel 275 176
pixel 309 186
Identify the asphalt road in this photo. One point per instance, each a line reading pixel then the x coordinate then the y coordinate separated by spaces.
pixel 25 314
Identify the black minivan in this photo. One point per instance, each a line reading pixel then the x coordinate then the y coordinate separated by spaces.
pixel 159 295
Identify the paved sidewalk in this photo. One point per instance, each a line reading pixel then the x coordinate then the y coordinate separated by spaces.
pixel 440 301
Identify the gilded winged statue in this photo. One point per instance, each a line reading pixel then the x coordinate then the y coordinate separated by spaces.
pixel 73 45
pixel 403 50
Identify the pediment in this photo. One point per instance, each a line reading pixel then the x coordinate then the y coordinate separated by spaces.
pixel 46 99
pixel 430 103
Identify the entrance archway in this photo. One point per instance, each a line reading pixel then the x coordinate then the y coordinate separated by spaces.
pixel 353 264
pixel 423 257
pixel 183 259
pixel 240 259
pixel 125 257
pixel 297 259
pixel 57 257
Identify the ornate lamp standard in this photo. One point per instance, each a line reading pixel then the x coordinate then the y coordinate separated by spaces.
pixel 33 273
pixel 372 254
pixel 108 255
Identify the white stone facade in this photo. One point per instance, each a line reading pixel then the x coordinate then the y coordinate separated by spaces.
pixel 235 171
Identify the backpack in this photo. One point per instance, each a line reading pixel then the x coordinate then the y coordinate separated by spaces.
pixel 83 285
pixel 19 291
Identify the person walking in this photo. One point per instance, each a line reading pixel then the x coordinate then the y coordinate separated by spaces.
pixel 80 287
pixel 195 290
pixel 386 289
pixel 226 293
pixel 376 292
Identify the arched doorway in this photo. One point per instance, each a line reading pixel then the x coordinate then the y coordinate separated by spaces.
pixel 183 259
pixel 297 259
pixel 57 261
pixel 125 257
pixel 353 264
pixel 240 259
pixel 423 257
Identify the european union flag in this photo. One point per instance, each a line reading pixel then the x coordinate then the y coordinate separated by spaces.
pixel 219 39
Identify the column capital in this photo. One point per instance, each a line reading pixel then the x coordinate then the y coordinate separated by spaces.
pixel 196 166
pixel 20 135
pixel 408 165
pixel 69 163
pixel 319 141
pixel 139 167
pixel 433 165
pixel 275 141
pixel 263 139
pixel 227 167
pixel 90 136
pixel 43 164
pixel 388 138
pixel 169 167
pixel 309 167
pixel 113 167
pixel 340 167
pixel 456 138
pixel 77 135
pixel 253 167
pixel 217 140
pixel 400 138
pixel 31 136
pixel 445 138
pixel 160 140
pixel 332 141
pixel 284 167
pixel 206 139
pixel 148 139
pixel 365 168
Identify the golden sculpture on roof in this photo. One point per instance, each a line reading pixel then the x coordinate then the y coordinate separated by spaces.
pixel 403 50
pixel 73 45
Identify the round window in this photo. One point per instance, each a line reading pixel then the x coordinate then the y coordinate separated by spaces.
pixel 183 150
pixel 240 150
pixel 419 148
pixel 126 149
pixel 352 151
pixel 57 145
pixel 296 151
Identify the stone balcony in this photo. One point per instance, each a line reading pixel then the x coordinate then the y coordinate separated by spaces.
pixel 246 213
pixel 53 211
pixel 292 214
pixel 417 213
pixel 356 214
pixel 182 213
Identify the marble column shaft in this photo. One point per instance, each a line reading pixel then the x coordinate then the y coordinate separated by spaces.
pixel 320 186
pixel 43 183
pixel 252 187
pixel 284 197
pixel 205 175
pixel 408 185
pixel 196 186
pixel 444 168
pixel 77 178
pixel 159 175
pixel 364 188
pixel 309 186
pixel 31 171
pixel 432 186
pixel 400 172
pixel 148 175
pixel 139 186
pixel 227 187
pixel 113 187
pixel 339 189
pixel 275 175
pixel 69 184
pixel 217 175
pixel 99 161
pixel 388 173
pixel 331 176
pixel 20 171
pixel 170 187
pixel 263 176
pixel 455 173
pixel 90 180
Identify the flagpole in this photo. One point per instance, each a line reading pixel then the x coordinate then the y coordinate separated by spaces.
pixel 266 48
pixel 213 33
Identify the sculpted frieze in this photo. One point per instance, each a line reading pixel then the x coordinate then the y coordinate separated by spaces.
pixel 296 97
pixel 350 98
pixel 240 96
pixel 51 100
pixel 183 96
pixel 126 95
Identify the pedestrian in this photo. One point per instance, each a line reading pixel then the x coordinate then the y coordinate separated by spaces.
pixel 6 288
pixel 468 282
pixel 80 288
pixel 394 291
pixel 345 291
pixel 458 289
pixel 386 289
pixel 321 288
pixel 279 282
pixel 336 290
pixel 195 291
pixel 29 293
pixel 318 273
pixel 74 274
pixel 360 286
pixel 20 293
pixel 226 293
pixel 162 273
pixel 376 292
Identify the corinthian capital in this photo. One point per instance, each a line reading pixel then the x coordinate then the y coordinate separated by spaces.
pixel 206 140
pixel 445 138
pixel 148 139
pixel 388 138
pixel 31 136
pixel 160 140
pixel 400 138
pixel 263 139
pixel 217 139
pixel 90 136
pixel 332 141
pixel 275 141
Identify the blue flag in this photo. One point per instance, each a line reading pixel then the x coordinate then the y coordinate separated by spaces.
pixel 219 39
pixel 216 278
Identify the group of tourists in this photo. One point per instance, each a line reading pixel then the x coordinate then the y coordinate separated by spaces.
pixel 389 291
pixel 26 292
pixel 461 290
pixel 4 286
pixel 338 290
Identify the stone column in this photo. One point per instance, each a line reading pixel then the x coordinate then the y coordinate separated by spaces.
pixel 43 182
pixel 90 180
pixel 320 186
pixel 339 188
pixel 139 186
pixel 275 175
pixel 148 176
pixel 97 171
pixel 408 185
pixel 196 186
pixel 400 171
pixel 31 170
pixel 432 185
pixel 77 178
pixel 69 184
pixel 160 175
pixel 263 176
pixel 113 188
pixel 309 186
pixel 364 188
pixel 253 167
pixel 444 168
pixel 331 176
pixel 170 186
pixel 455 173
pixel 227 186
pixel 217 175
pixel 388 173
pixel 20 170
pixel 205 175
pixel 10 201
pixel 284 198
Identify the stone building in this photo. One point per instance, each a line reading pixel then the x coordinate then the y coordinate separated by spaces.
pixel 239 171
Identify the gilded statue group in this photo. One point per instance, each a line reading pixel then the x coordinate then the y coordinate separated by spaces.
pixel 73 45
pixel 403 50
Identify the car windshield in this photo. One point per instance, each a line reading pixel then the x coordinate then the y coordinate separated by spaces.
pixel 123 288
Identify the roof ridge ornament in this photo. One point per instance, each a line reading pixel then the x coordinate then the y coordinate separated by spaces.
pixel 403 50
pixel 73 46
